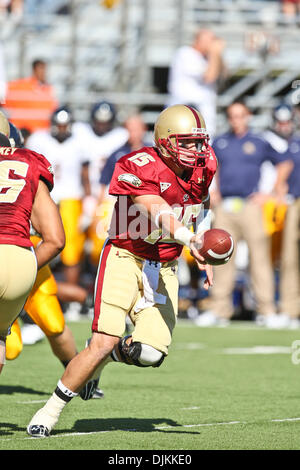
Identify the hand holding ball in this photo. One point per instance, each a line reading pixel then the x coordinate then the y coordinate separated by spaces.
pixel 217 247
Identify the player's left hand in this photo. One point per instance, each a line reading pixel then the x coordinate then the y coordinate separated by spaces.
pixel 209 274
pixel 196 243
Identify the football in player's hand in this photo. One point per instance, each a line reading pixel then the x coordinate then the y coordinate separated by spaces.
pixel 217 246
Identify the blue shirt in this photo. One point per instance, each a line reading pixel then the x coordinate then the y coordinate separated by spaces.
pixel 240 160
pixel 108 169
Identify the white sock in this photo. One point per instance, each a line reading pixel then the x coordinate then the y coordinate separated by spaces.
pixel 49 414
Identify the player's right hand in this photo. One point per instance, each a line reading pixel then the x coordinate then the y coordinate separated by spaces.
pixel 217 46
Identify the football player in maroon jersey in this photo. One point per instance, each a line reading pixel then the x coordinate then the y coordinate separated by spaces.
pixel 161 191
pixel 26 180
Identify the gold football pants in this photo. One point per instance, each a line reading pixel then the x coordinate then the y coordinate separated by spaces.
pixel 118 289
pixel 42 306
pixel 17 276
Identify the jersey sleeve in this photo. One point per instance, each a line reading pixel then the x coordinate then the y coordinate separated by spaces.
pixel 135 175
pixel 44 169
pixel 273 155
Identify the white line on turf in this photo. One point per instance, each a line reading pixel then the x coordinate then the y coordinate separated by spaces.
pixel 31 402
pixel 284 420
pixel 139 430
pixel 259 350
pixel 189 346
pixel 191 408
pixel 228 423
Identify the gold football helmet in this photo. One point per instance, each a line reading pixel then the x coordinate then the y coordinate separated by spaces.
pixel 176 128
pixel 4 125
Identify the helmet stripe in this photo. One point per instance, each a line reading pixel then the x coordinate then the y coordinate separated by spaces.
pixel 195 115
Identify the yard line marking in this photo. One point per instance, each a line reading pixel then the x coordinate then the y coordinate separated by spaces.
pixel 226 423
pixel 259 350
pixel 198 425
pixel 192 408
pixel 189 346
pixel 283 420
pixel 139 430
pixel 31 402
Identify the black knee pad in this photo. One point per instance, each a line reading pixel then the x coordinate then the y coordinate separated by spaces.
pixel 131 353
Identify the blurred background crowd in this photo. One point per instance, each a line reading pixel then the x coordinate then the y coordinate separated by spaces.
pixel 85 80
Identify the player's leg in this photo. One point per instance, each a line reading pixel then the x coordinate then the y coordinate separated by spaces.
pixel 14 344
pixel 289 292
pixel 44 309
pixel 220 304
pixel 63 345
pixel 118 272
pixel 127 284
pixel 71 255
pixel 149 342
pixel 77 373
pixel 2 352
pixel 17 276
pixel 153 326
pixel 262 274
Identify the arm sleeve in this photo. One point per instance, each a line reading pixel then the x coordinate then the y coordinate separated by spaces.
pixel 133 180
pixel 274 156
pixel 44 169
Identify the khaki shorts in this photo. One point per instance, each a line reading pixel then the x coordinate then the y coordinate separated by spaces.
pixel 119 287
pixel 17 275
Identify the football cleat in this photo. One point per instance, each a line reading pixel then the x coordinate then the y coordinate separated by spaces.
pixel 98 393
pixel 90 390
pixel 45 418
pixel 38 430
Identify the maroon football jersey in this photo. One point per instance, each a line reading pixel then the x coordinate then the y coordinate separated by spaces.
pixel 20 172
pixel 144 172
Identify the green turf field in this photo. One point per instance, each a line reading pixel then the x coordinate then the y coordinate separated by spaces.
pixel 220 388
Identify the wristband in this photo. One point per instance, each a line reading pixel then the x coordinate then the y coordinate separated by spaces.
pixel 183 236
pixel 205 223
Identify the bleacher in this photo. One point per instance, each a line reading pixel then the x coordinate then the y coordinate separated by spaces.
pixel 123 54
